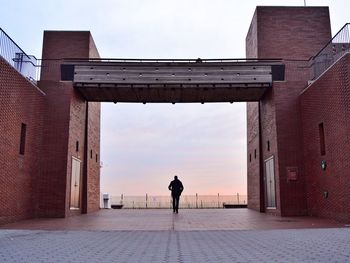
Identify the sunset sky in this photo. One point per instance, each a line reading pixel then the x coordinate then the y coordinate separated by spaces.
pixel 144 146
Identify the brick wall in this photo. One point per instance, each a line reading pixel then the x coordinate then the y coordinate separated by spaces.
pixel 77 122
pixel 289 143
pixel 327 101
pixel 251 41
pixel 90 196
pixel 52 186
pixel 93 179
pixel 292 32
pixel 64 127
pixel 253 169
pixel 269 145
pixel 62 44
pixel 20 102
pixel 93 52
pixel 254 178
pixel 289 33
pixel 94 124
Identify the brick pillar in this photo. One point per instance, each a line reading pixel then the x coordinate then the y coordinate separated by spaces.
pixel 66 120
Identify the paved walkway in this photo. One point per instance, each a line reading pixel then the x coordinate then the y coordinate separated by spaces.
pixel 164 219
pixel 191 236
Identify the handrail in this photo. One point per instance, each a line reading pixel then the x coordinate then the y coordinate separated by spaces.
pixel 331 41
pixel 332 51
pixel 16 57
pixel 148 60
pixel 14 43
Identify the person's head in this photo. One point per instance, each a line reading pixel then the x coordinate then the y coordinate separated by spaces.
pixel 175 177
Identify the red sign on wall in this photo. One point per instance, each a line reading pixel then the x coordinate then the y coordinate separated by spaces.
pixel 292 173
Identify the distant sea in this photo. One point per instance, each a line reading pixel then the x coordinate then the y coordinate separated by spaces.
pixel 186 201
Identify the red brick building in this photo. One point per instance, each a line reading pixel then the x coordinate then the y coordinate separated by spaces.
pixel 297 132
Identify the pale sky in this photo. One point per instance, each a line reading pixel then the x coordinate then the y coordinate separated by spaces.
pixel 143 146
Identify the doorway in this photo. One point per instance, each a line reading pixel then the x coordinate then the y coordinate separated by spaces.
pixel 270 183
pixel 75 184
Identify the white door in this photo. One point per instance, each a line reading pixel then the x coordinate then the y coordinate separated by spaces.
pixel 270 183
pixel 75 184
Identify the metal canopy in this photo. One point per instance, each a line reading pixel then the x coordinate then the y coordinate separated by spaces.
pixel 175 81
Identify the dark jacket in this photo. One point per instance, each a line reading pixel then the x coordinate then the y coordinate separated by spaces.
pixel 176 187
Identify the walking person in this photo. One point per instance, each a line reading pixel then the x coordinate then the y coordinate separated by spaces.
pixel 176 189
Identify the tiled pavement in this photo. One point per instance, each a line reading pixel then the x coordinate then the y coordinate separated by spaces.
pixel 191 236
pixel 164 219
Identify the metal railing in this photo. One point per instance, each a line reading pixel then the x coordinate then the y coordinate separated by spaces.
pixel 17 58
pixel 177 60
pixel 186 201
pixel 333 50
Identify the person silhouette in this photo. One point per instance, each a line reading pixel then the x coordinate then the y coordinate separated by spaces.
pixel 176 189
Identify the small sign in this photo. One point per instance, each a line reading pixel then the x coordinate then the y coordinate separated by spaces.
pixel 292 173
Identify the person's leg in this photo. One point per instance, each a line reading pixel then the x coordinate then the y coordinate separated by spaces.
pixel 174 203
pixel 177 203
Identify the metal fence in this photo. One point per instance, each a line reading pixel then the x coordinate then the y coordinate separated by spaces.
pixel 335 48
pixel 17 58
pixel 186 201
